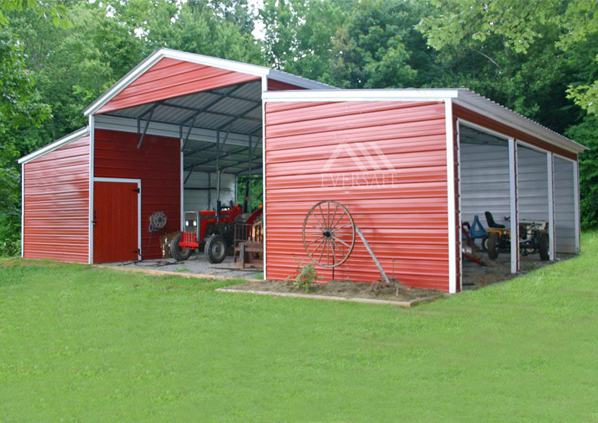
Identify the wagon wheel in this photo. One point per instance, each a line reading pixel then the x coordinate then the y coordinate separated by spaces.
pixel 328 234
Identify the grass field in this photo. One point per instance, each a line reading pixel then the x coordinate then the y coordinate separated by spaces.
pixel 82 344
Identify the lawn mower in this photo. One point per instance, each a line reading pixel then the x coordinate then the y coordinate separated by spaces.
pixel 533 237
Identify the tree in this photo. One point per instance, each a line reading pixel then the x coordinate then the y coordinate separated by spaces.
pixel 581 21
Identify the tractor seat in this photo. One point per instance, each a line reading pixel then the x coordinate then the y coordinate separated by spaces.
pixel 491 222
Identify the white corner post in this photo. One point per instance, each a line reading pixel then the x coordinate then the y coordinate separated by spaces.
pixel 91 183
pixel 513 195
pixel 452 212
pixel 22 210
pixel 182 186
pixel 577 205
pixel 459 217
pixel 264 177
pixel 551 224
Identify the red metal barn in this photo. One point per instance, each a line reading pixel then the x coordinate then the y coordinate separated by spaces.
pixel 411 166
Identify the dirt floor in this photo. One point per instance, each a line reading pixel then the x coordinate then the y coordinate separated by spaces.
pixel 499 270
pixel 345 289
pixel 197 264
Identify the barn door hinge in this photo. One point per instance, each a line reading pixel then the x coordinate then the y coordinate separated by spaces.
pixel 137 190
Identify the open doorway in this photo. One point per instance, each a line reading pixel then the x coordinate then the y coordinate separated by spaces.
pixel 507 214
pixel 220 133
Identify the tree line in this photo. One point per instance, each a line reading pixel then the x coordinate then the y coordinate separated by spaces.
pixel 538 58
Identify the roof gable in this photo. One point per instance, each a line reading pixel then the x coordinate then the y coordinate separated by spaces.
pixel 163 61
pixel 170 78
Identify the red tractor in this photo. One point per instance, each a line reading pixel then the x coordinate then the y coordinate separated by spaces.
pixel 212 230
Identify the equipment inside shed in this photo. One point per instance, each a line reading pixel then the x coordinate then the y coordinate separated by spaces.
pixel 221 151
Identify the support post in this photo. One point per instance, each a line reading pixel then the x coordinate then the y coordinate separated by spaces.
pixel 551 224
pixel 218 167
pixel 209 190
pixel 250 199
pixel 576 205
pixel 513 196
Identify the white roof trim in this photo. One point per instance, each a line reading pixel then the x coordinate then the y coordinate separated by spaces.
pixel 460 96
pixel 56 144
pixel 362 95
pixel 200 59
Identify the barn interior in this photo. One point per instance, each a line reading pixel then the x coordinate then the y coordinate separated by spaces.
pixel 221 149
pixel 487 185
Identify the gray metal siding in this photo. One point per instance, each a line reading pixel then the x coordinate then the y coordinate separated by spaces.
pixel 197 199
pixel 532 184
pixel 485 182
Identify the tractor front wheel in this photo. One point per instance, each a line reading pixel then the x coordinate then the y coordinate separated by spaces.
pixel 177 252
pixel 485 243
pixel 493 245
pixel 216 249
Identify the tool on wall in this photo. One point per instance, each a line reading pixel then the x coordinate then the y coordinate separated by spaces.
pixel 157 222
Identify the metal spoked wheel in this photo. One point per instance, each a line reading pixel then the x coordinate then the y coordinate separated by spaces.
pixel 329 234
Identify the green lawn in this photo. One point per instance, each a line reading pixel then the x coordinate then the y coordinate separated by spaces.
pixel 82 344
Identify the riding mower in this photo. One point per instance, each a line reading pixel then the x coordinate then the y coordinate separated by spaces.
pixel 533 238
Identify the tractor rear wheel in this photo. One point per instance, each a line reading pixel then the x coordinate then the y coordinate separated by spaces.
pixel 493 245
pixel 216 249
pixel 177 252
pixel 543 245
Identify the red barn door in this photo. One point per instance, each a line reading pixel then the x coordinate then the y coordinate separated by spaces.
pixel 116 221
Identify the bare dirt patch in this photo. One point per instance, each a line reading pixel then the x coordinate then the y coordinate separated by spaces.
pixel 343 289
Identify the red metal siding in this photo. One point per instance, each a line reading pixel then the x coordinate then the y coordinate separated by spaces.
pixel 404 217
pixel 56 204
pixel 274 85
pixel 173 78
pixel 157 164
pixel 463 113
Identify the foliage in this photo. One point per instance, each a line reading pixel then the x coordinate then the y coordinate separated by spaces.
pixel 81 343
pixel 55 12
pixel 256 185
pixel 19 108
pixel 587 130
pixel 305 277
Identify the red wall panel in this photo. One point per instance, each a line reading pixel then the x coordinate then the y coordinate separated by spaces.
pixel 173 78
pixel 157 164
pixel 310 156
pixel 56 204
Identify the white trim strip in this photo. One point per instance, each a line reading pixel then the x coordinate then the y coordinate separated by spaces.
pixel 264 178
pixel 91 187
pixel 22 210
pixel 182 223
pixel 460 221
pixel 123 180
pixel 54 145
pixel 513 204
pixel 450 178
pixel 359 95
